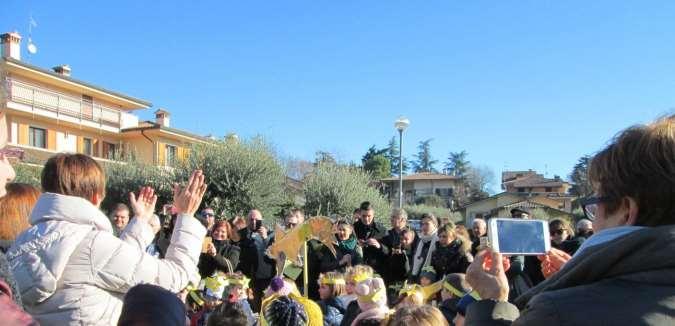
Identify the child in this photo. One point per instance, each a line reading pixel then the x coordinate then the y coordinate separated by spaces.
pixel 372 299
pixel 283 305
pixel 211 297
pixel 331 286
pixel 237 286
pixel 463 303
pixel 354 275
pixel 455 287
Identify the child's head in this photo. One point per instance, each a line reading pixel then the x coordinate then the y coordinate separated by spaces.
pixel 427 276
pixel 237 284
pixel 229 312
pixel 455 286
pixel 356 274
pixel 331 284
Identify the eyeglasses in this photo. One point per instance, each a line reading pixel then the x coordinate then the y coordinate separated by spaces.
pixel 590 205
pixel 12 153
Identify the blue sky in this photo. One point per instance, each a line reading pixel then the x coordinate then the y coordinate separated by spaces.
pixel 517 84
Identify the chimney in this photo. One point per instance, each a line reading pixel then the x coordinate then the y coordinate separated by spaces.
pixel 63 70
pixel 11 45
pixel 162 118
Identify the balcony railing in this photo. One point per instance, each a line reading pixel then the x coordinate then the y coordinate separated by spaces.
pixel 61 104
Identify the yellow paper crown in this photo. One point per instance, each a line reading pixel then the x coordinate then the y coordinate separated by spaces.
pixel 242 280
pixel 459 293
pixel 360 277
pixel 326 280
pixel 426 291
pixel 215 283
pixel 373 297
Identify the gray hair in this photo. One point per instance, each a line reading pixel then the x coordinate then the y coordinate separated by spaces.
pixel 478 220
pixel 400 212
pixel 584 224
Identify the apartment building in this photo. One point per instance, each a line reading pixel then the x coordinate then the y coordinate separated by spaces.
pixel 46 111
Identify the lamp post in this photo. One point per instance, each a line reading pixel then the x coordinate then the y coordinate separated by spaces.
pixel 400 124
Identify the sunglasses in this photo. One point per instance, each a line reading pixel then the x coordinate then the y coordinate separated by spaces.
pixel 590 205
pixel 12 153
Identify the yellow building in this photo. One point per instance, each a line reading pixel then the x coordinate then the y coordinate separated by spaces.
pixel 47 111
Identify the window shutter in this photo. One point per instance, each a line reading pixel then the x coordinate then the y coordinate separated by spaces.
pixel 96 151
pixel 51 140
pixel 161 154
pixel 23 134
pixel 80 144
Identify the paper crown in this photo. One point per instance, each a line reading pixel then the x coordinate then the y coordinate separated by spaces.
pixel 428 269
pixel 373 297
pixel 238 280
pixel 360 277
pixel 326 280
pixel 459 293
pixel 426 291
pixel 214 286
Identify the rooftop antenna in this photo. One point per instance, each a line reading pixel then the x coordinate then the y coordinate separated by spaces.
pixel 32 49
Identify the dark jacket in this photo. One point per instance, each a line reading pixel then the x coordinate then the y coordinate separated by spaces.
pixel 449 309
pixel 329 263
pixel 333 310
pixel 570 246
pixel 352 312
pixel 372 256
pixel 253 262
pixel 225 252
pixel 450 259
pixel 627 281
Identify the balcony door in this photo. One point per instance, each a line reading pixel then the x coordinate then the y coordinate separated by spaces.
pixel 87 107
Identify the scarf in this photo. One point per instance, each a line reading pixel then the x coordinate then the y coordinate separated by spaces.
pixel 349 244
pixel 418 262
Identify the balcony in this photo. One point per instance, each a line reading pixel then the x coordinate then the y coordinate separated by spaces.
pixel 46 102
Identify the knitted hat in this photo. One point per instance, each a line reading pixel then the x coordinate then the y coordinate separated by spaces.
pixel 429 272
pixel 151 305
pixel 285 311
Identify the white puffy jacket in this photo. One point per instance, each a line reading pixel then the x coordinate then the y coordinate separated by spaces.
pixel 72 270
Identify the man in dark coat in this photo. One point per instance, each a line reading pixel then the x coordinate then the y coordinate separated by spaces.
pixel 369 233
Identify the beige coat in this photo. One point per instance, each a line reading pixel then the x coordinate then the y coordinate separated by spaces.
pixel 72 270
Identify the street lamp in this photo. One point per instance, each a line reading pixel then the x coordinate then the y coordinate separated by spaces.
pixel 400 124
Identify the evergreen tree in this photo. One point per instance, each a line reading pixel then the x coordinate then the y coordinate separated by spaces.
pixel 424 162
pixel 378 166
pixel 579 176
pixel 392 154
pixel 457 164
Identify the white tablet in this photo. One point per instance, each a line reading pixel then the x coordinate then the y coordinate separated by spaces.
pixel 515 237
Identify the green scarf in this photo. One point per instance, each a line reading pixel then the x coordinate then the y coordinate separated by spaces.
pixel 348 244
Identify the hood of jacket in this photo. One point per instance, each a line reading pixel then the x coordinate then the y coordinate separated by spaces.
pixel 40 254
pixel 642 256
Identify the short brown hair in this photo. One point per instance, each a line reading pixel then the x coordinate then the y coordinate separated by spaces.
pixel 73 175
pixel 15 208
pixel 639 163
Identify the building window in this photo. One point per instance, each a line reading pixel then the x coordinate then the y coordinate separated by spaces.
pixel 548 189
pixel 170 153
pixel 87 147
pixel 37 137
pixel 110 151
pixel 444 192
pixel 521 189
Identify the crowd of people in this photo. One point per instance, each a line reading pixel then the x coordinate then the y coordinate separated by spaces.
pixel 65 262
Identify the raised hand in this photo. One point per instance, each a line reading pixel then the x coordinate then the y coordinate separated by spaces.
pixel 144 205
pixel 187 199
pixel 486 275
pixel 553 261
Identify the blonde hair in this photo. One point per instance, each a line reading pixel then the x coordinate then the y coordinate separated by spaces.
pixel 451 231
pixel 424 315
pixel 335 289
pixel 15 209
pixel 358 269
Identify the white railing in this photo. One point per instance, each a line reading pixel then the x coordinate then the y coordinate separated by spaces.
pixel 61 104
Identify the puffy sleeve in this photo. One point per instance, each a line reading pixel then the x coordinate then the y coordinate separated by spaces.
pixel 118 265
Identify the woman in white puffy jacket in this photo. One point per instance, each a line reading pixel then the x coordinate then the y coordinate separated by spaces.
pixel 69 266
